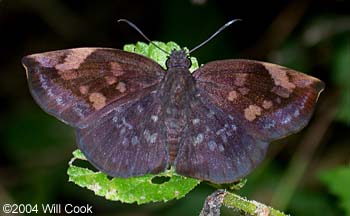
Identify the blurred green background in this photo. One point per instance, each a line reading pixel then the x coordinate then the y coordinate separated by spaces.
pixel 304 174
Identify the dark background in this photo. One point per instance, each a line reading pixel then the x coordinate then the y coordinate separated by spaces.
pixel 309 36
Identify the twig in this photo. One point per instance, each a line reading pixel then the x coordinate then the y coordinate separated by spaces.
pixel 251 207
pixel 214 202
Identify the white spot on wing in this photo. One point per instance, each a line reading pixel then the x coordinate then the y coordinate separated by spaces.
pixel 199 139
pixel 210 114
pixel 122 131
pixel 129 126
pixel 79 111
pixel 154 118
pixel 43 82
pixel 212 145
pixel 286 119
pixel 150 138
pixel 125 141
pixel 195 121
pixel 233 127
pixel 147 135
pixel 296 113
pixel 115 119
pixel 139 108
pixel 59 100
pixel 224 138
pixel 153 138
pixel 269 125
pixel 135 140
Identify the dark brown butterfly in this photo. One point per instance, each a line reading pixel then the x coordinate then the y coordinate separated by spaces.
pixel 132 117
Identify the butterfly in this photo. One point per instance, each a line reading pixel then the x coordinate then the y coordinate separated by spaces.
pixel 132 117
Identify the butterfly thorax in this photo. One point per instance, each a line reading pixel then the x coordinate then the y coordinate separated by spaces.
pixel 178 80
pixel 176 92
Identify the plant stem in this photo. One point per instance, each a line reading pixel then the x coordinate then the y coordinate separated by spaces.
pixel 232 200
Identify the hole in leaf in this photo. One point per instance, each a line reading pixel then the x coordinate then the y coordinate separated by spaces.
pixel 85 164
pixel 160 179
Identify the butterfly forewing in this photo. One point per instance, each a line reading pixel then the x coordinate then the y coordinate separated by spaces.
pixel 76 84
pixel 268 101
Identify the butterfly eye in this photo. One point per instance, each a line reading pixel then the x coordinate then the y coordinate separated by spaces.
pixel 167 63
pixel 188 62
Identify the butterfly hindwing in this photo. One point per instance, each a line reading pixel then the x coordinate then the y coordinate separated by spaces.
pixel 76 84
pixel 215 147
pixel 268 100
pixel 127 141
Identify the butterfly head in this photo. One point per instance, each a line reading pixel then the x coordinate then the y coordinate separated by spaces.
pixel 178 59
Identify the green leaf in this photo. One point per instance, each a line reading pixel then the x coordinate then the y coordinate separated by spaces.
pixel 338 180
pixel 129 190
pixel 143 189
pixel 153 52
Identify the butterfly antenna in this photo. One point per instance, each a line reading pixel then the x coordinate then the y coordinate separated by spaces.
pixel 217 32
pixel 141 33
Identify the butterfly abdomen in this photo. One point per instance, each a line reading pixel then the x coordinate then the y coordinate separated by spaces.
pixel 174 126
pixel 173 147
